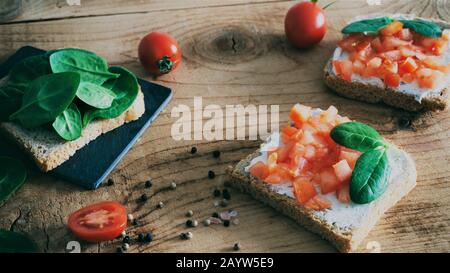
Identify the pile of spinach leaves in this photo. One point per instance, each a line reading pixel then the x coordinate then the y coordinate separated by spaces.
pixel 65 90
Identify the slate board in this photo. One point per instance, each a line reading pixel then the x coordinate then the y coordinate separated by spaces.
pixel 92 164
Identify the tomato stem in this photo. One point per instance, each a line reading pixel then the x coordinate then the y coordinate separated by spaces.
pixel 328 5
pixel 165 65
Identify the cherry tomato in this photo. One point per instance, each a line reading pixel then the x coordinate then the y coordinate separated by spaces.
pixel 305 24
pixel 99 222
pixel 159 53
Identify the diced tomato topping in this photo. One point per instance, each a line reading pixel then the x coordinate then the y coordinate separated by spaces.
pixel 392 55
pixel 318 203
pixel 375 62
pixel 350 156
pixel 343 171
pixel 274 178
pixel 350 42
pixel 408 77
pixel 299 114
pixel 304 189
pixel 405 34
pixel 392 79
pixel 343 194
pixel 377 44
pixel 344 68
pixel 329 181
pixel 408 65
pixel 358 67
pixel 283 152
pixel 259 170
pixel 392 28
pixel 272 160
pixel 289 130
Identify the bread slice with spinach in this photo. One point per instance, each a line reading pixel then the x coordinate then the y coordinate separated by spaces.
pixel 59 101
pixel 400 60
pixel 334 177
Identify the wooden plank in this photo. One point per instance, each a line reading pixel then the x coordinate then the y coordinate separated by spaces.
pixel 34 10
pixel 231 55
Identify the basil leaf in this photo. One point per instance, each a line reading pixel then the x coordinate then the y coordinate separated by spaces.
pixel 426 28
pixel 95 95
pixel 29 69
pixel 357 136
pixel 368 26
pixel 370 176
pixel 10 100
pixel 12 176
pixel 68 124
pixel 13 242
pixel 47 97
pixel 126 89
pixel 91 67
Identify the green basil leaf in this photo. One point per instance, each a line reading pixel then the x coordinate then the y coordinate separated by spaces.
pixel 426 28
pixel 126 89
pixel 47 97
pixel 95 95
pixel 29 69
pixel 368 26
pixel 91 67
pixel 357 136
pixel 68 124
pixel 370 176
pixel 12 176
pixel 13 242
pixel 10 100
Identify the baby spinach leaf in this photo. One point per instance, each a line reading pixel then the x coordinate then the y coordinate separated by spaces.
pixel 126 89
pixel 12 176
pixel 368 26
pixel 29 69
pixel 68 124
pixel 357 136
pixel 91 67
pixel 426 28
pixel 13 242
pixel 46 98
pixel 10 100
pixel 95 95
pixel 370 176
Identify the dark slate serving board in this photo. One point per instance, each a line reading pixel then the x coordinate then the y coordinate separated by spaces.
pixel 92 164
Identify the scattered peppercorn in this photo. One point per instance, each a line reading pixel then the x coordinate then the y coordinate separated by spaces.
pixel 130 217
pixel 148 184
pixel 217 193
pixel 189 223
pixel 216 154
pixel 211 175
pixel 193 150
pixel 189 213
pixel 126 240
pixel 141 237
pixel 237 246
pixel 173 185
pixel 226 194
pixel 160 204
pixel 186 236
pixel 136 222
pixel 144 197
pixel 404 122
pixel 226 223
pixel 126 246
pixel 123 234
pixel 148 237
pixel 207 222
pixel 215 215
pixel 119 250
pixel 110 182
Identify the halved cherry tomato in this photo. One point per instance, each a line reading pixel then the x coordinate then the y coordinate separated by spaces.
pixel 159 53
pixel 99 222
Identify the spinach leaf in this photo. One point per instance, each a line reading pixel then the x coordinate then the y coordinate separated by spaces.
pixel 357 136
pixel 13 242
pixel 10 100
pixel 12 176
pixel 368 26
pixel 91 67
pixel 126 89
pixel 370 176
pixel 95 95
pixel 46 98
pixel 68 124
pixel 28 70
pixel 426 28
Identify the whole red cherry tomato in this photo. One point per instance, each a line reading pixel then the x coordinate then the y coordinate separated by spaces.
pixel 305 24
pixel 159 53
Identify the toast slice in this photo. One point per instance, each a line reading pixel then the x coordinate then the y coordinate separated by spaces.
pixel 376 93
pixel 345 225
pixel 49 151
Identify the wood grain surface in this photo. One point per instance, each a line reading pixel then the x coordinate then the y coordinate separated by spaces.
pixel 234 52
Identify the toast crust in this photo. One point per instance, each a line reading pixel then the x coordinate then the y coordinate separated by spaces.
pixel 49 151
pixel 345 240
pixel 374 94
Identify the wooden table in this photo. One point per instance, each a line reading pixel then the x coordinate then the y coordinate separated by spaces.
pixel 234 52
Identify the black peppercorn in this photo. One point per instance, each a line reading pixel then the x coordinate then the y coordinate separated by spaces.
pixel 189 223
pixel 126 240
pixel 226 194
pixel 119 250
pixel 226 223
pixel 216 154
pixel 148 184
pixel 404 122
pixel 217 193
pixel 110 182
pixel 211 174
pixel 193 150
pixel 148 237
pixel 144 197
pixel 135 222
pixel 141 237
pixel 215 215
